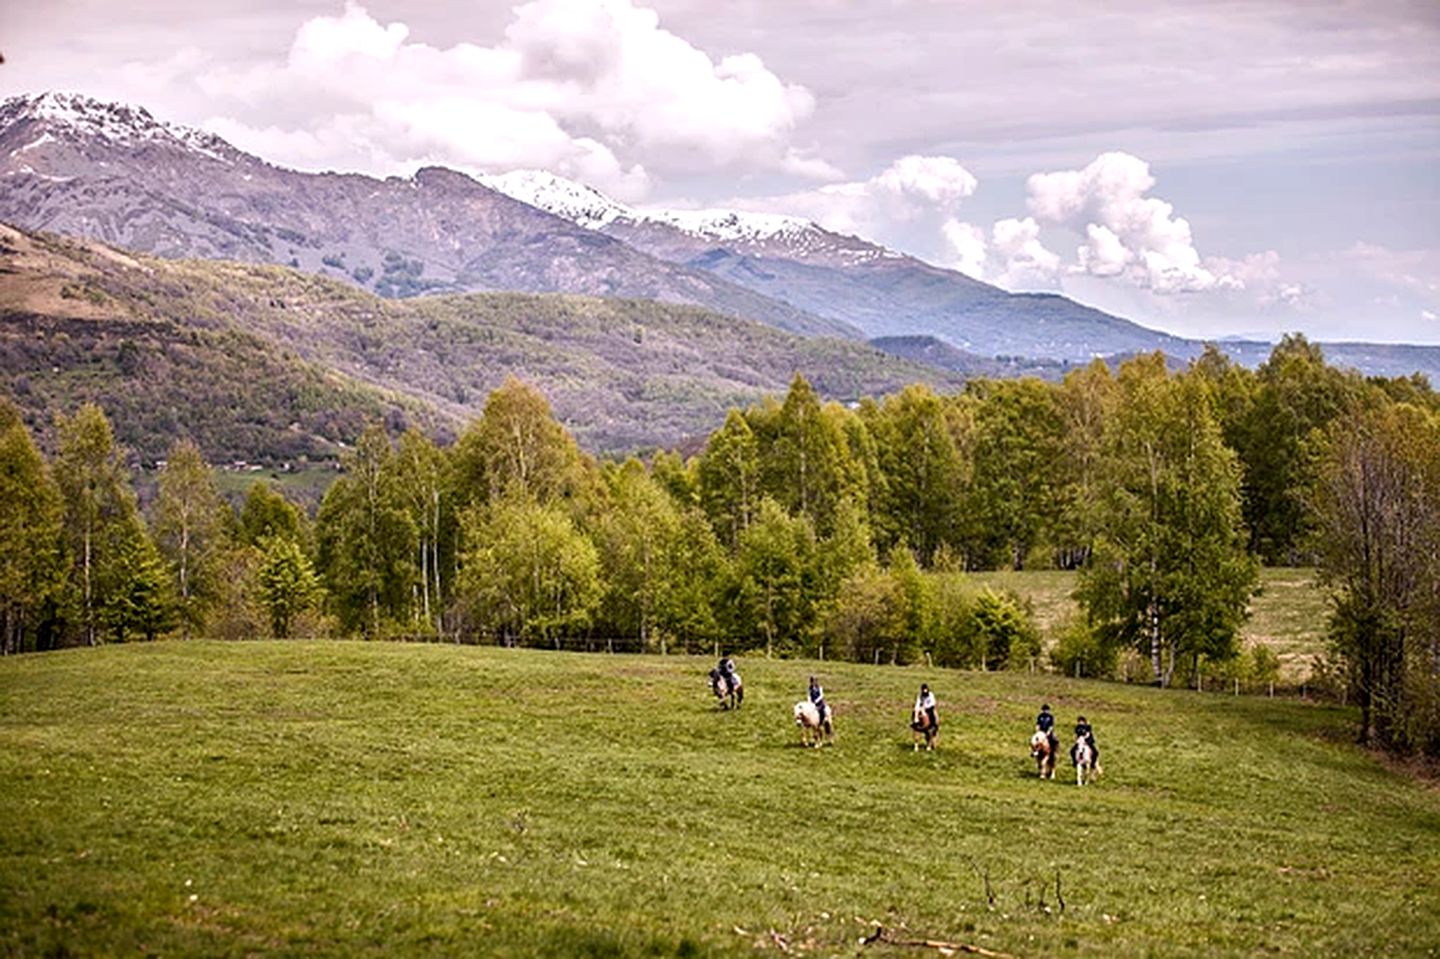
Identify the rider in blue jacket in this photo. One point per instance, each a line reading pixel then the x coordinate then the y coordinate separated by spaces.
pixel 1045 723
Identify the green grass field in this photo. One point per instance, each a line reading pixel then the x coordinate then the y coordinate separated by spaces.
pixel 384 799
pixel 1289 614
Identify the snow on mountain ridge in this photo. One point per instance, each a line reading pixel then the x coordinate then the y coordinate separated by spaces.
pixel 119 122
pixel 592 209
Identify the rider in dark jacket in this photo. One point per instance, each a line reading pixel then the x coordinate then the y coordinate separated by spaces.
pixel 817 696
pixel 1082 728
pixel 1045 723
pixel 727 672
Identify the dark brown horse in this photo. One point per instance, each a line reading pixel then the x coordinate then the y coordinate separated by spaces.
pixel 923 727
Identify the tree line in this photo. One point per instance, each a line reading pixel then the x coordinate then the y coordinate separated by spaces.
pixel 800 528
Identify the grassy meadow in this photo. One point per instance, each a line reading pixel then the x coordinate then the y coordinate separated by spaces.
pixel 345 798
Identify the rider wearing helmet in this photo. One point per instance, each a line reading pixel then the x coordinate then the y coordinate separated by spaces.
pixel 1082 728
pixel 1045 723
pixel 817 698
pixel 925 703
pixel 727 672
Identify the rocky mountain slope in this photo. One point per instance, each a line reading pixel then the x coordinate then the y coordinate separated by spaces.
pixel 846 278
pixel 260 362
pixel 114 173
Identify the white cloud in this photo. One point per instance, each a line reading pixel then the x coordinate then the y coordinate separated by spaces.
pixel 1027 263
pixel 586 88
pixel 967 246
pixel 1127 232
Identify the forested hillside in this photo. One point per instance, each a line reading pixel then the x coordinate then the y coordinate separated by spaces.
pixel 801 528
pixel 265 364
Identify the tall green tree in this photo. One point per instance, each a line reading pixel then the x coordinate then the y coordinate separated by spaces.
pixel 367 540
pixel 1170 574
pixel 133 585
pixel 529 574
pixel 32 575
pixel 1377 501
pixel 424 480
pixel 517 448
pixel 1087 400
pixel 924 480
pixel 728 473
pixel 1018 454
pixel 190 527
pixel 638 534
pixel 805 461
pixel 99 506
pixel 1281 440
pixel 287 583
pixel 267 513
pixel 776 592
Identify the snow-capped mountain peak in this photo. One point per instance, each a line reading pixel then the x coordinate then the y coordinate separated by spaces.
pixel 576 202
pixel 748 233
pixel 84 118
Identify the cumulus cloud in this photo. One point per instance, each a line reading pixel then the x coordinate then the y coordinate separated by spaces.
pixel 586 88
pixel 1027 264
pixel 967 247
pixel 1127 232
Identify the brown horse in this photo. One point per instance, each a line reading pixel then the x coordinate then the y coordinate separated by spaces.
pixel 812 725
pixel 923 728
pixel 1044 755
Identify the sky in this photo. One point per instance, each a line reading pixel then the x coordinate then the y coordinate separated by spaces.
pixel 1238 168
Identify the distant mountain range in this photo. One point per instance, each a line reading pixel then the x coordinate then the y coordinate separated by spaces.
pixel 264 363
pixel 110 172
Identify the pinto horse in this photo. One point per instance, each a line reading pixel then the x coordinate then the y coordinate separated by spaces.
pixel 1043 752
pixel 812 725
pixel 1086 769
pixel 923 728
pixel 729 690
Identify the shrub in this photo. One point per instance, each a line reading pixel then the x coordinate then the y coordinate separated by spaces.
pixel 1080 652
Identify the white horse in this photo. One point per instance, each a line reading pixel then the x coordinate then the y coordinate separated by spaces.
pixel 1043 753
pixel 729 690
pixel 1086 769
pixel 812 725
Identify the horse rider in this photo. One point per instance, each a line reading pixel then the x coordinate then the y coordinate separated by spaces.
pixel 925 703
pixel 817 698
pixel 1082 728
pixel 727 672
pixel 1045 723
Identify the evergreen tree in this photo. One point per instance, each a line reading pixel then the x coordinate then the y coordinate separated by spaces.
pixel 132 583
pixel 31 537
pixel 267 513
pixel 1170 574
